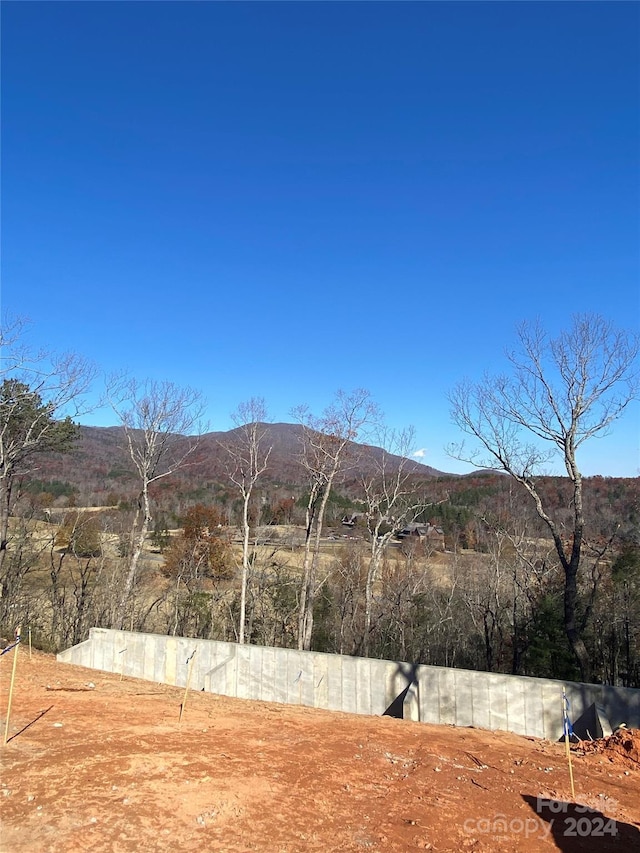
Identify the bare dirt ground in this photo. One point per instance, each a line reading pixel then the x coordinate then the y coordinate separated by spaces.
pixel 97 764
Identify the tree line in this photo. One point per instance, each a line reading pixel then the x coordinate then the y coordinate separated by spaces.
pixel 546 588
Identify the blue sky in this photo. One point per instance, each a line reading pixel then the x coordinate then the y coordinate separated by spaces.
pixel 284 199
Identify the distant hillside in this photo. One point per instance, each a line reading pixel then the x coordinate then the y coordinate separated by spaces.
pixel 99 472
pixel 100 465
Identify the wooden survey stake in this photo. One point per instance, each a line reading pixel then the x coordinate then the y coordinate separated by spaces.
pixel 566 726
pixel 13 678
pixel 190 660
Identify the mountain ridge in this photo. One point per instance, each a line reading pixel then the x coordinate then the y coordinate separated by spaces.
pixel 100 461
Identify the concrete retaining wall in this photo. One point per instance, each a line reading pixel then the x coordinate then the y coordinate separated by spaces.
pixel 432 694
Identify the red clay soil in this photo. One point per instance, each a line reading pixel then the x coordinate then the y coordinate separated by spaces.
pixel 97 764
pixel 623 748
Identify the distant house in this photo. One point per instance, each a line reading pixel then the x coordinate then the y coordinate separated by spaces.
pixel 427 533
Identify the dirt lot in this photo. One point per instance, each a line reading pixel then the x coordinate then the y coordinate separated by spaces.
pixel 96 764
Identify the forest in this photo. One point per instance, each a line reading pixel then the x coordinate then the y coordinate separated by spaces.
pixel 324 533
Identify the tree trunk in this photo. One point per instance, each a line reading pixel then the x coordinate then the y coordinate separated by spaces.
pixel 139 540
pixel 245 567
pixel 307 567
pixel 574 635
pixel 372 576
pixel 309 588
pixel 5 501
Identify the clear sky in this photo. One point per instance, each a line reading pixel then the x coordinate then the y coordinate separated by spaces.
pixel 284 199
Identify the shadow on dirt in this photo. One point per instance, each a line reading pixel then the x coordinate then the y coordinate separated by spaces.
pixel 32 723
pixel 576 828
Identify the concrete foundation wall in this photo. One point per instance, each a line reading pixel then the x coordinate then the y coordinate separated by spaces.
pixel 431 694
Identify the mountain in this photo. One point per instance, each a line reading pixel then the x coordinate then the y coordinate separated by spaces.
pixel 99 472
pixel 100 469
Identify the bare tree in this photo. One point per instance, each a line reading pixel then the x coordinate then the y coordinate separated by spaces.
pixel 560 393
pixel 248 457
pixel 390 504
pixel 162 424
pixel 520 571
pixel 346 580
pixel 326 443
pixel 76 562
pixel 40 393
